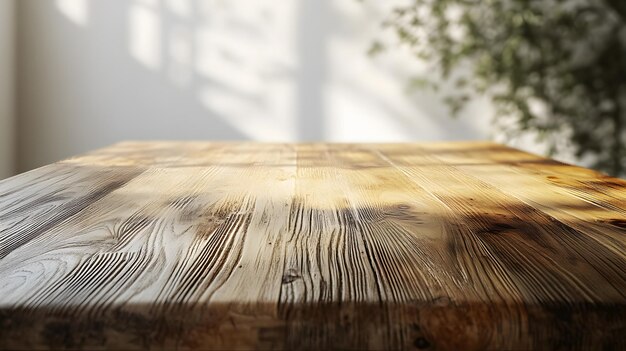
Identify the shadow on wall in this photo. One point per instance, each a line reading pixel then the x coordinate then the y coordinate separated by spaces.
pixel 93 72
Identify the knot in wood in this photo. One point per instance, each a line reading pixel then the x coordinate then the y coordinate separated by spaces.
pixel 290 276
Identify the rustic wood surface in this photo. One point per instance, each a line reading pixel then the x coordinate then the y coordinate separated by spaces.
pixel 312 246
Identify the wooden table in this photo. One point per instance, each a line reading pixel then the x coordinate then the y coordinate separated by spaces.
pixel 312 246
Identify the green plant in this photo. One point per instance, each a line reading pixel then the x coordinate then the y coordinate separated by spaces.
pixel 557 67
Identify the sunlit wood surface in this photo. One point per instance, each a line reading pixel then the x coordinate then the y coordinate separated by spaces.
pixel 312 246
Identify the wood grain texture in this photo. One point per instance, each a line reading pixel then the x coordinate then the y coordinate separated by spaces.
pixel 312 246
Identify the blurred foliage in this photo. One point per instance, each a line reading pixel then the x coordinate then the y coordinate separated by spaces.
pixel 552 67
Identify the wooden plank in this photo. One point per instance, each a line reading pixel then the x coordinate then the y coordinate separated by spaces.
pixel 312 246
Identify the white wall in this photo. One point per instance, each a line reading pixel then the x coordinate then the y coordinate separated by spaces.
pixel 93 72
pixel 7 127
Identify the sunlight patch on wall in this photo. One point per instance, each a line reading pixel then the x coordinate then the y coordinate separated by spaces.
pixel 180 51
pixel 179 37
pixel 181 8
pixel 247 118
pixel 145 33
pixel 356 119
pixel 244 59
pixel 369 98
pixel 76 11
pixel 294 70
pixel 237 57
pixel 365 100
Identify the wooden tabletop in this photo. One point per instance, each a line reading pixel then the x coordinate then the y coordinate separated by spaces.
pixel 312 246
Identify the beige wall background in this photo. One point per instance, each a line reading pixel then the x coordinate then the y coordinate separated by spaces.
pixel 94 72
pixel 7 118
